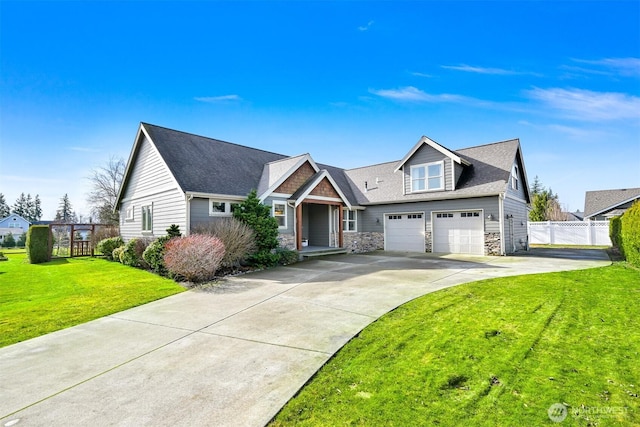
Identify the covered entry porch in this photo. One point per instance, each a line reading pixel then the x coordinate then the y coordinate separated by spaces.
pixel 318 225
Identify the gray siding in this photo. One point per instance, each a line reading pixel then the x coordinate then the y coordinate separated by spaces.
pixel 372 219
pixel 519 193
pixel 427 154
pixel 151 183
pixel 457 172
pixel 515 225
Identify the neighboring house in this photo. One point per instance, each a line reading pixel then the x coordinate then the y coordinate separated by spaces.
pixel 605 204
pixel 14 224
pixel 573 216
pixel 474 200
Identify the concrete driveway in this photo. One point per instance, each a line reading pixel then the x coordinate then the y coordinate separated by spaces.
pixel 232 356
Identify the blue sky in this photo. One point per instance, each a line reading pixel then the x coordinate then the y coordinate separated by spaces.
pixel 353 83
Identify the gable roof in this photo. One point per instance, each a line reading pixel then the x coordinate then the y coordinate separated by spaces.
pixel 425 140
pixel 15 215
pixel 299 196
pixel 601 201
pixel 487 174
pixel 276 172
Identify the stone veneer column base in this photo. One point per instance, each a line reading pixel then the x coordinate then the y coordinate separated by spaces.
pixel 287 241
pixel 492 244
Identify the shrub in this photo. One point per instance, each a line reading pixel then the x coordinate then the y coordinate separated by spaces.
pixel 173 231
pixel 9 241
pixel 2 257
pixel 104 232
pixel 630 234
pixel 194 258
pixel 132 254
pixel 258 216
pixel 154 255
pixel 238 239
pixel 615 226
pixel 22 240
pixel 117 253
pixel 106 246
pixel 39 244
pixel 287 256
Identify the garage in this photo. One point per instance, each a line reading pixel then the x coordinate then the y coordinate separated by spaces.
pixel 404 232
pixel 458 232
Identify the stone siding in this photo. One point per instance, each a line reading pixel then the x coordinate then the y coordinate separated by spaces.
pixel 427 242
pixel 492 244
pixel 363 241
pixel 287 241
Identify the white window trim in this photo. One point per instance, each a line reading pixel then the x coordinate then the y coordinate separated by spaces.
pixel 227 207
pixel 129 213
pixel 514 177
pixel 346 220
pixel 142 218
pixel 273 212
pixel 426 177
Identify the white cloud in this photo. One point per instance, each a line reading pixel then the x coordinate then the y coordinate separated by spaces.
pixel 410 93
pixel 366 27
pixel 628 67
pixel 581 104
pixel 216 99
pixel 418 74
pixel 488 70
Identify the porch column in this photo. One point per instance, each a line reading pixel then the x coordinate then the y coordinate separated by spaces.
pixel 299 227
pixel 340 226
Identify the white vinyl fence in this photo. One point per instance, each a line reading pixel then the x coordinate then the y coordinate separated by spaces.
pixel 593 233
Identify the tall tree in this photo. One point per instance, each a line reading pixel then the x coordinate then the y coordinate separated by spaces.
pixel 65 214
pixel 20 206
pixel 37 209
pixel 28 208
pixel 545 205
pixel 105 184
pixel 5 211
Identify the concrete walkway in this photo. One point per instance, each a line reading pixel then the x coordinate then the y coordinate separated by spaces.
pixel 232 356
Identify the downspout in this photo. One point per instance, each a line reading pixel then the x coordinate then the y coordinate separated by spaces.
pixel 501 215
pixel 188 198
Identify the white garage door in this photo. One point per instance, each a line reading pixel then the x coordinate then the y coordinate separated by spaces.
pixel 458 232
pixel 404 232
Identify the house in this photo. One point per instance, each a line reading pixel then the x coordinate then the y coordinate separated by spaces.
pixel 15 225
pixel 473 200
pixel 605 204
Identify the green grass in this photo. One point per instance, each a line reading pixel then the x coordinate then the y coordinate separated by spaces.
pixel 490 353
pixel 36 299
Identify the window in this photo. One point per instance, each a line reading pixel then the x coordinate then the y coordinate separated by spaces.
pixel 469 214
pixel 147 218
pixel 129 214
pixel 514 177
pixel 444 215
pixel 395 216
pixel 429 176
pixel 349 220
pixel 279 212
pixel 220 208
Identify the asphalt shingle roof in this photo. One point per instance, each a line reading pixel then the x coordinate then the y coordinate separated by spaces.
pixel 603 200
pixel 207 165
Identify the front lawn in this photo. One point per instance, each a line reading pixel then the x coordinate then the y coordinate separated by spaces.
pixel 495 352
pixel 36 299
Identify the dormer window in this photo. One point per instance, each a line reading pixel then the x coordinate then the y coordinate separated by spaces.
pixel 514 177
pixel 427 177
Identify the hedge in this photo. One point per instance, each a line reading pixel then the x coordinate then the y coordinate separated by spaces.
pixel 615 227
pixel 39 244
pixel 630 234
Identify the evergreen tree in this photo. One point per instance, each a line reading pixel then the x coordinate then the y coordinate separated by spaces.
pixel 28 208
pixel 258 216
pixel 22 241
pixel 545 205
pixel 9 241
pixel 20 206
pixel 5 211
pixel 65 214
pixel 37 209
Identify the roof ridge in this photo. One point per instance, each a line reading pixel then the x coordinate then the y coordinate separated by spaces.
pixel 490 143
pixel 375 164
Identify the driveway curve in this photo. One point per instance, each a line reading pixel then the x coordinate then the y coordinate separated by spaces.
pixel 234 355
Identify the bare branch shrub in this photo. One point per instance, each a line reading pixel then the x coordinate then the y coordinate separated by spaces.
pixel 194 258
pixel 238 239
